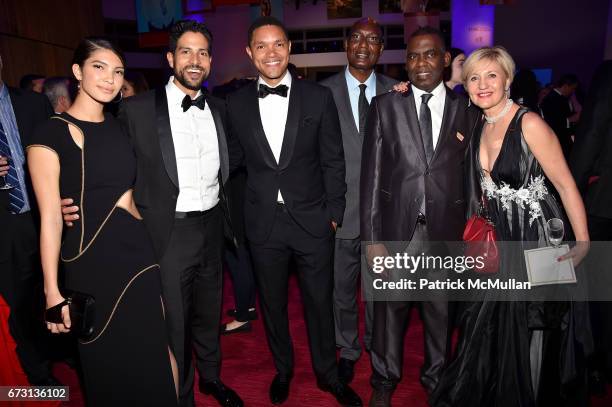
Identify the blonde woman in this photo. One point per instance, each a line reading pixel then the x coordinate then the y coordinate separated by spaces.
pixel 507 347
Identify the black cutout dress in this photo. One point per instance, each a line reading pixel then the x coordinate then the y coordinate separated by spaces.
pixel 108 254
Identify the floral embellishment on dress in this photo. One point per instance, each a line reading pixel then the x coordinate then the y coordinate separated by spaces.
pixel 526 197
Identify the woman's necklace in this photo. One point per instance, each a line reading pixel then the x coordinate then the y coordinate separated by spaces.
pixel 501 114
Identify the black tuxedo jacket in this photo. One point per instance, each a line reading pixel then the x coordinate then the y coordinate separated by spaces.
pixel 592 153
pixel 556 110
pixel 311 170
pixel 145 118
pixel 31 109
pixel 395 175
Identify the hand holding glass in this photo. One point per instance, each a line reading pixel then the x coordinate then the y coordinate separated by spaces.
pixel 5 185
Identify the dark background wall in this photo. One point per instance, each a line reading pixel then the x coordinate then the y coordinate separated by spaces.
pixel 39 36
pixel 566 35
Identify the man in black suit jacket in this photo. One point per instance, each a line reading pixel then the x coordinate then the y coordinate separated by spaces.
pixel 556 111
pixel 591 159
pixel 21 278
pixel 353 89
pixel 287 133
pixel 412 191
pixel 182 165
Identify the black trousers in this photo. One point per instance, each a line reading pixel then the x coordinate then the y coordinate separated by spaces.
pixel 21 285
pixel 241 269
pixel 313 259
pixel 347 268
pixel 191 273
pixel 600 230
pixel 391 319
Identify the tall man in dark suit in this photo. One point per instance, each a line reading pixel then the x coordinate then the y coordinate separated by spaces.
pixel 557 109
pixel 178 135
pixel 592 157
pixel 20 276
pixel 412 190
pixel 353 89
pixel 287 133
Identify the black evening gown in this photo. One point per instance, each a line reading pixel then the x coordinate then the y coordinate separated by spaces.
pixel 108 254
pixel 492 365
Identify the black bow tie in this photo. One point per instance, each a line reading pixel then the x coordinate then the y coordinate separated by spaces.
pixel 199 102
pixel 280 90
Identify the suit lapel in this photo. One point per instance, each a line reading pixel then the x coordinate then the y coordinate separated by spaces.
pixel 448 119
pixel 164 133
pixel 259 135
pixel 413 124
pixel 344 102
pixel 292 125
pixel 381 86
pixel 223 153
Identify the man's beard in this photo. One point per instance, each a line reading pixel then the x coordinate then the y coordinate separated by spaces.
pixel 180 76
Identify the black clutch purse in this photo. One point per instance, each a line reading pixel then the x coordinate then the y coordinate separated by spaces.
pixel 82 313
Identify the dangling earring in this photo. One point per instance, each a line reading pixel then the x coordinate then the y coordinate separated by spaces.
pixel 120 98
pixel 469 102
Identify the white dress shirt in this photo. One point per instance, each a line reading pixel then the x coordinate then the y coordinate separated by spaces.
pixel 436 105
pixel 352 85
pixel 197 152
pixel 273 112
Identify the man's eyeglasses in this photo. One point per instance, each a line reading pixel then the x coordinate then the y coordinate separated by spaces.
pixel 356 38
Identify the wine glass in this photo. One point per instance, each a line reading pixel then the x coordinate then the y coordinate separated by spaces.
pixel 555 231
pixel 6 185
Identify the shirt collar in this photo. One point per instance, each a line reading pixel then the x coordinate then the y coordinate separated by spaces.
pixel 353 83
pixel 437 93
pixel 175 94
pixel 285 81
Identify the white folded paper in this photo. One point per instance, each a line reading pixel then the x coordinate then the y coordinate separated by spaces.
pixel 543 267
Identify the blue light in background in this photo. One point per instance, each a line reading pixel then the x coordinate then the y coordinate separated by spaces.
pixel 472 25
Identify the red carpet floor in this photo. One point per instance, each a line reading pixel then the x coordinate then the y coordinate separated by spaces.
pixel 248 366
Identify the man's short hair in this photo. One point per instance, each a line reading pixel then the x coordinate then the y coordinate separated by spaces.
pixel 183 26
pixel 55 87
pixel 27 81
pixel 568 79
pixel 263 21
pixel 364 21
pixel 427 30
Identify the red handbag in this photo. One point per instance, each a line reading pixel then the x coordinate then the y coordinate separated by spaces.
pixel 481 243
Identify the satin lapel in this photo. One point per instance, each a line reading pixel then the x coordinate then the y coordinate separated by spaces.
pixel 165 135
pixel 252 107
pixel 448 119
pixel 292 125
pixel 412 119
pixel 344 103
pixel 380 86
pixel 223 153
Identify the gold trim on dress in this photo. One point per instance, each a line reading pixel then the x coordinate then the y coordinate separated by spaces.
pixel 81 204
pixel 82 251
pixel 43 146
pixel 117 303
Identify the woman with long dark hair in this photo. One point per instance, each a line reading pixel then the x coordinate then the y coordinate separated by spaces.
pixel 107 255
